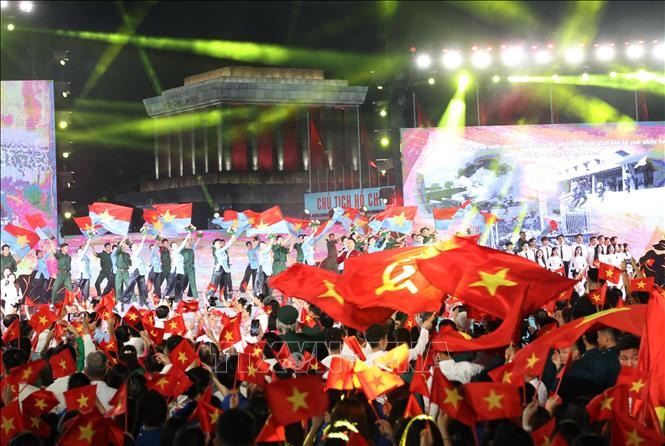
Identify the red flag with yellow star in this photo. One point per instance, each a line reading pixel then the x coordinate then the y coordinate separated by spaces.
pixel 27 373
pixel 156 334
pixel 270 221
pixel 35 424
pixel 341 376
pixel 175 325
pixel 354 345
pixel 82 399
pixel 598 296
pixel 132 316
pixel 629 432
pixel 42 319
pixel 62 364
pixel 652 352
pixel 191 306
pixel 636 380
pixel 614 399
pixel 609 272
pixel 183 355
pixel 206 413
pixel 319 287
pixel 271 432
pixel 643 284
pixel 40 401
pixel 230 334
pixel 292 400
pixel 413 408
pixel 491 401
pixel 543 435
pixel 118 403
pixel 88 429
pixel 172 383
pixel 12 333
pixel 11 421
pixel 251 369
pixel 450 399
pixel 374 382
pixel 395 360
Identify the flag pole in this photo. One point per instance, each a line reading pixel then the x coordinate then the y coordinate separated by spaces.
pixel 360 157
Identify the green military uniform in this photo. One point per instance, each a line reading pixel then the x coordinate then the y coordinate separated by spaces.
pixel 296 342
pixel 122 263
pixel 166 262
pixel 64 276
pixel 7 262
pixel 279 253
pixel 300 258
pixel 106 271
pixel 190 273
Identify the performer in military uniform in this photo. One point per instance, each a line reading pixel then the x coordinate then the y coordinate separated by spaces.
pixel 189 270
pixel 279 252
pixel 64 276
pixel 122 263
pixel 106 270
pixel 7 260
pixel 287 316
pixel 297 246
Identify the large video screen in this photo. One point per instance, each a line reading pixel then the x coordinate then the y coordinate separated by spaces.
pixel 27 162
pixel 588 179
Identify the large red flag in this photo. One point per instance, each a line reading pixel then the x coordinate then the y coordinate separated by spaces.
pixel 292 400
pixel 319 287
pixel 626 431
pixel 652 352
pixel 491 401
pixel 112 217
pixel 183 355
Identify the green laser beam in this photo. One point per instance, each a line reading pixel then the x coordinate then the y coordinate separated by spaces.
pixel 454 117
pixel 642 80
pixel 581 25
pixel 513 14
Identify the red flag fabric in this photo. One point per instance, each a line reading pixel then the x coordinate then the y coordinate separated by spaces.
pixel 652 352
pixel 27 373
pixel 11 421
pixel 319 287
pixel 12 333
pixel 543 435
pixel 183 355
pixel 86 226
pixel 395 218
pixel 82 399
pixel 374 382
pixel 635 380
pixel 112 217
pixel 341 375
pixel 19 239
pixel 292 400
pixel 271 432
pixel 170 384
pixel 395 360
pixel 230 334
pixel 62 364
pixel 626 431
pixel 598 296
pixel 644 284
pixel 91 428
pixel 609 272
pixel 39 402
pixel 449 399
pixel 42 319
pixel 207 415
pixel 132 316
pixel 354 345
pixel 614 399
pixel 156 334
pixel 317 149
pixel 413 408
pixel 251 369
pixel 175 325
pixel 270 221
pixel 187 306
pixel 119 402
pixel 491 401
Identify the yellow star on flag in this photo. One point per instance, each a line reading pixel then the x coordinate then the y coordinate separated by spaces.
pixel 453 397
pixel 251 370
pixel 132 317
pixel 173 325
pixel 532 360
pixel 493 281
pixel 600 314
pixel 40 403
pixel 446 245
pixel 26 373
pixel 641 284
pixel 400 219
pixel 636 386
pixel 162 383
pixel 607 403
pixel 298 399
pixel 86 432
pixel 63 364
pixel 633 439
pixel 7 425
pixel 22 240
pixel 228 337
pixel 42 320
pixel 331 292
pixel 34 422
pixel 493 400
pixel 167 217
pixel 213 417
pixel 257 351
pixel 261 226
pixel 507 377
pixel 83 401
pixel 105 216
pixel 182 357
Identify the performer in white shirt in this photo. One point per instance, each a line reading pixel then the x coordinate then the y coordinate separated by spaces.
pixel 578 269
pixel 591 258
pixel 579 241
pixel 554 263
pixel 565 252
pixel 540 258
pixel 612 258
pixel 545 246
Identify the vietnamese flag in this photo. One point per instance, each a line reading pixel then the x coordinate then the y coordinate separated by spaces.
pixel 183 355
pixel 652 352
pixel 269 222
pixel 12 333
pixel 614 399
pixel 42 319
pixel 19 239
pixel 11 421
pixel 395 218
pixel 413 408
pixel 319 287
pixel 341 375
pixel 271 432
pixel 62 364
pixel 119 402
pixel 492 401
pixel 206 413
pixel 627 431
pixel 112 217
pixel 391 279
pixel 251 369
pixel 419 379
pixel 40 401
pixel 169 384
pixel 35 423
pixel 26 373
pixel 132 316
pixel 191 306
pixel 374 382
pixel 230 334
pixel 443 217
pixel 88 429
pixel 643 284
pixel 147 318
pixel 175 325
pixel 87 228
pixel 450 400
pixel 307 318
pixel 598 296
pixel 543 435
pixel 82 398
pixel 156 334
pixel 292 400
pixel 174 218
pixel 395 360
pixel 609 272
pixel 636 380
pixel 352 217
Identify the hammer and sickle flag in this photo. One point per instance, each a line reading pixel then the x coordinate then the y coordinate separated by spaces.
pixel 392 279
pixel 319 287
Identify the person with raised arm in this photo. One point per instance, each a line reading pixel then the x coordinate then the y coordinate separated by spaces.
pixel 138 275
pixel 310 241
pixel 221 271
pixel 64 276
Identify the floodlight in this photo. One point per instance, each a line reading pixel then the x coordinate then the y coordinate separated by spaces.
pixel 574 55
pixel 423 61
pixel 481 59
pixel 635 51
pixel 452 59
pixel 543 57
pixel 659 52
pixel 431 81
pixel 512 56
pixel 384 141
pixel 605 53
pixel 25 6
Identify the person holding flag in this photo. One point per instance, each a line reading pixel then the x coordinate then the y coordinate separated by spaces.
pixel 221 272
pixel 265 269
pixel 252 266
pixel 187 254
pixel 105 271
pixel 155 274
pixel 310 241
pixel 138 274
pixel 64 276
pixel 175 284
pixel 279 253
pixel 83 264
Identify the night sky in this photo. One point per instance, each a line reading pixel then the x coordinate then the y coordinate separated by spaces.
pixel 102 169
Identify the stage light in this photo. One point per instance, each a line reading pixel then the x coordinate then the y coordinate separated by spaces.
pixel 10 27
pixel 555 78
pixel 65 155
pixel 585 77
pixel 481 59
pixel 63 124
pixel 65 94
pixel 605 53
pixel 574 55
pixel 68 215
pixel 384 141
pixel 383 113
pixel 643 76
pixel 518 79
pixel 659 52
pixel 363 209
pixel 62 62
pixel 383 172
pixel 463 81
pixel 496 78
pixel 452 60
pixel 512 56
pixel 431 81
pixel 379 87
pixel 423 61
pixel 613 74
pixel 25 6
pixel 306 211
pixel 4 4
pixel 543 57
pixel 635 51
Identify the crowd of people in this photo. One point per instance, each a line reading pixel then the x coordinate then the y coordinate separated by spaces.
pixel 240 341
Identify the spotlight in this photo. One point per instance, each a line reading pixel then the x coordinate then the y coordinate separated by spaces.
pixel 481 59
pixel 65 155
pixel 635 51
pixel 306 211
pixel 643 76
pixel 65 94
pixel 62 62
pixel 452 60
pixel 363 209
pixel 605 53
pixel 25 6
pixel 574 55
pixel 383 113
pixel 423 61
pixel 63 124
pixel 383 172
pixel 496 79
pixel 543 57
pixel 4 4
pixel 512 56
pixel 216 215
pixel 659 52
pixel 613 74
pixel 431 81
pixel 463 81
pixel 384 141
pixel 379 87
pixel 585 77
pixel 68 215
pixel 10 27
